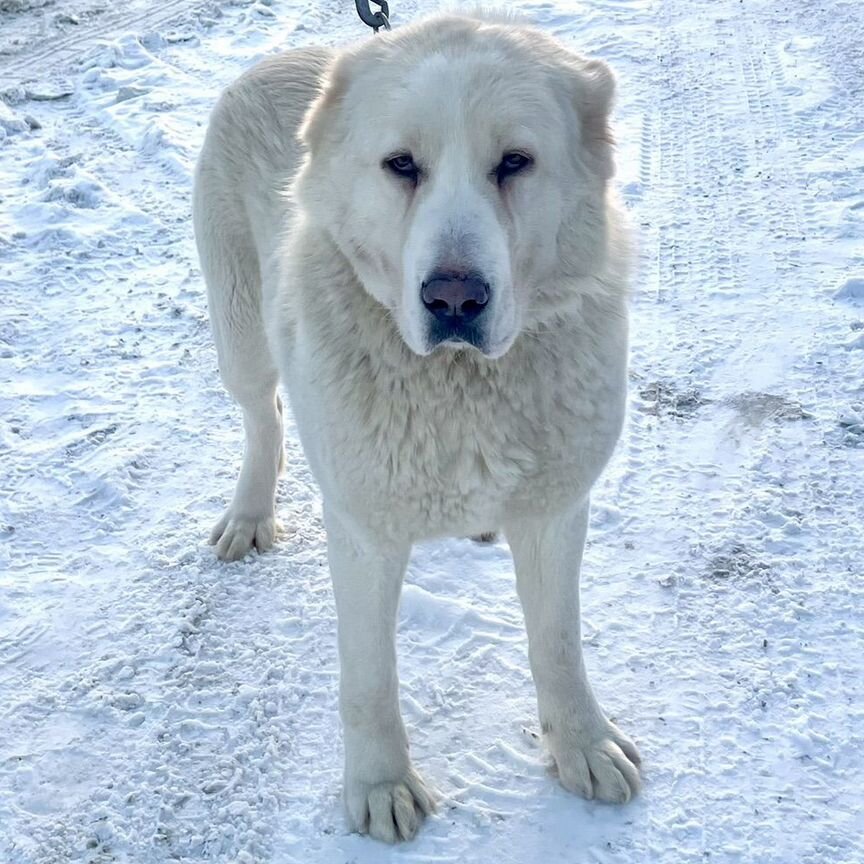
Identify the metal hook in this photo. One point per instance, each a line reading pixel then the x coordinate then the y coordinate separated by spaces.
pixel 374 19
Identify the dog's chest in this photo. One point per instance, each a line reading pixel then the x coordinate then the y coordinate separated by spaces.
pixel 448 445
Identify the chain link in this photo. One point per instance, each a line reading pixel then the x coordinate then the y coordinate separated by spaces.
pixel 375 20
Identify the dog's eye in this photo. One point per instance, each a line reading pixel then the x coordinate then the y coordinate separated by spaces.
pixel 512 163
pixel 403 165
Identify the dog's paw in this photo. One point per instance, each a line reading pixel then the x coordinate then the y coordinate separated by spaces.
pixel 391 811
pixel 234 534
pixel 602 765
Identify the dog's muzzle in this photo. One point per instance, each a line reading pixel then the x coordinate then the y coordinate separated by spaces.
pixel 456 301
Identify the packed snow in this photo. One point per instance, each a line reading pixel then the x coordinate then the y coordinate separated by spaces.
pixel 157 705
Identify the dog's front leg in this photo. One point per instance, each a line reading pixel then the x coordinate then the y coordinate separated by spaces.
pixel 384 796
pixel 594 758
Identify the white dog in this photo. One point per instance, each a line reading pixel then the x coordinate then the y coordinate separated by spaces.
pixel 443 291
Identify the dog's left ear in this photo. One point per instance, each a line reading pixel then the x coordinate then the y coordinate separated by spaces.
pixel 595 94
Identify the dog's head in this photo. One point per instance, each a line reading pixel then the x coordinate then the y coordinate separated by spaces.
pixel 461 167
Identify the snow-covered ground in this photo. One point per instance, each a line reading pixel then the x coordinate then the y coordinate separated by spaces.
pixel 158 706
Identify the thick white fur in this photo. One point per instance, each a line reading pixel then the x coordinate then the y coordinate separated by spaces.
pixel 323 285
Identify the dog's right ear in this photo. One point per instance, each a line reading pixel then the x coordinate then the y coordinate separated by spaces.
pixel 324 111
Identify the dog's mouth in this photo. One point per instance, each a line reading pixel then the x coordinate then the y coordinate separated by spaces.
pixel 457 336
pixel 468 339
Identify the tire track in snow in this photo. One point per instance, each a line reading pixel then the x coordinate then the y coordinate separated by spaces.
pixel 88 692
pixel 57 55
pixel 724 175
pixel 778 132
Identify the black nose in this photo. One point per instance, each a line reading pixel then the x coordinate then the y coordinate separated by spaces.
pixel 455 297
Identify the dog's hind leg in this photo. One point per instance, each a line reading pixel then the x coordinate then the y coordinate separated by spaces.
pixel 231 269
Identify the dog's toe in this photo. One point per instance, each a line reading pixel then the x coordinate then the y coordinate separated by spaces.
pixel 601 767
pixel 235 535
pixel 392 811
